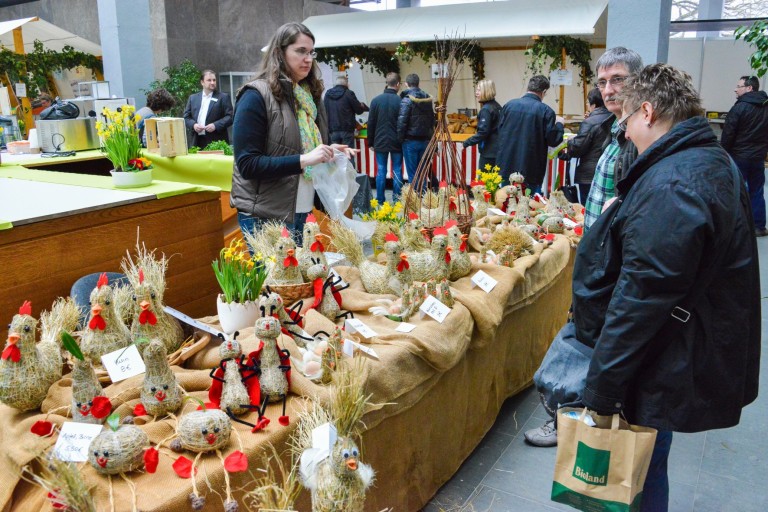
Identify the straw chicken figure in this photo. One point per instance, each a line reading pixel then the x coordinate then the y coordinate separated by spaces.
pixel 286 269
pixel 149 320
pixel 482 199
pixel 105 332
pixel 313 248
pixel 460 262
pixel 28 369
pixel 435 263
pixel 160 392
pixel 412 234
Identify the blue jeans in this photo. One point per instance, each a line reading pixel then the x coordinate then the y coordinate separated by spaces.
pixel 754 174
pixel 381 174
pixel 656 488
pixel 413 150
pixel 250 224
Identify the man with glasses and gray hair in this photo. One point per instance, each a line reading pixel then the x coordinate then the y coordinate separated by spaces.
pixel 613 68
pixel 745 138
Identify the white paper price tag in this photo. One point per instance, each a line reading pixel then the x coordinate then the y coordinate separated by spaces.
pixel 353 325
pixel 569 223
pixel 21 90
pixel 337 277
pixel 123 363
pixel 324 437
pixel 333 257
pixel 74 440
pixel 496 211
pixel 350 346
pixel 434 308
pixel 405 327
pixel 484 281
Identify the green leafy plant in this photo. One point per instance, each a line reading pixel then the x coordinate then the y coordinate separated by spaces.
pixel 193 150
pixel 550 47
pixel 757 36
pixel 113 420
pixel 240 275
pixel 183 81
pixel 426 50
pixel 71 346
pixel 378 59
pixel 220 145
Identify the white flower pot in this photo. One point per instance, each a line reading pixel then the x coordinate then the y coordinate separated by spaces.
pixel 131 179
pixel 234 316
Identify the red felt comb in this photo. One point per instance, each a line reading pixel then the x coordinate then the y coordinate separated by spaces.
pixel 311 218
pixel 440 231
pixel 391 237
pixel 476 183
pixel 450 224
pixel 443 184
pixel 285 233
pixel 413 216
pixel 461 191
pixel 26 308
pixel 102 280
pixel 141 276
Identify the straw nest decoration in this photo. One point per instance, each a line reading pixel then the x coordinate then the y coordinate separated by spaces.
pixel 146 274
pixel 63 482
pixel 160 391
pixel 85 388
pixel 28 369
pixel 278 488
pixel 511 239
pixel 118 451
pixel 449 53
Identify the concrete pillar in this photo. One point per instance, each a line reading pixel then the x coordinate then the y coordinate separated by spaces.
pixel 640 26
pixel 710 10
pixel 126 45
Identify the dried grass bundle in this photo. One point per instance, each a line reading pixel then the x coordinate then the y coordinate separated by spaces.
pixel 153 268
pixel 512 239
pixel 263 240
pixel 278 488
pixel 64 483
pixel 63 316
pixel 347 399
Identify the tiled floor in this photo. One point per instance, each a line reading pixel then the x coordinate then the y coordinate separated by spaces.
pixel 716 471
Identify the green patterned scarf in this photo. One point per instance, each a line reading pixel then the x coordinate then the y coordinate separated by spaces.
pixel 306 114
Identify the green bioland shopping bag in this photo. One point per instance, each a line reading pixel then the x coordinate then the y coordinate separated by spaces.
pixel 600 468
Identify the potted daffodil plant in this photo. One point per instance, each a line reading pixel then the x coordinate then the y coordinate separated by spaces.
pixel 119 135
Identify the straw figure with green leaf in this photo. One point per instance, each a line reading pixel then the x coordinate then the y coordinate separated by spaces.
pixel 119 134
pixel 240 275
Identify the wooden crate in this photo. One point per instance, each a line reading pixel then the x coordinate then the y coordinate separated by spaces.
pixel 166 136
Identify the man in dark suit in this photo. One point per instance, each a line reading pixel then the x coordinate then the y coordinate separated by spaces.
pixel 208 113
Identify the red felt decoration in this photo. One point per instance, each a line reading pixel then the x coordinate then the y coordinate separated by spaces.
pixel 261 424
pixel 452 205
pixel 26 308
pixel 101 407
pixel 451 223
pixel 42 428
pixel 183 467
pixel 151 459
pixel 317 246
pixel 447 257
pixel 413 216
pixel 579 230
pixel 102 280
pixel 97 322
pixel 391 237
pixel 141 276
pixel 12 352
pixel 311 218
pixel 403 263
pixel 290 261
pixel 548 237
pixel 55 503
pixel 477 183
pixel 236 462
pixel 284 233
pixel 284 420
pixel 440 231
pixel 147 316
pixel 443 184
pixel 463 246
pixel 487 196
pixel 139 410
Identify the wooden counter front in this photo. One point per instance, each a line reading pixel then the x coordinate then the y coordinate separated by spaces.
pixel 41 261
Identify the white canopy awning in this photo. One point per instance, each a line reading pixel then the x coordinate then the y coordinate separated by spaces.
pixel 52 37
pixel 492 23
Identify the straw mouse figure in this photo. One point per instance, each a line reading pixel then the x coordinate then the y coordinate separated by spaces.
pixel 327 299
pixel 105 332
pixel 275 367
pixel 160 391
pixel 271 304
pixel 89 404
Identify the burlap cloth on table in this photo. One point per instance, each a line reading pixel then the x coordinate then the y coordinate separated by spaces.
pixel 398 380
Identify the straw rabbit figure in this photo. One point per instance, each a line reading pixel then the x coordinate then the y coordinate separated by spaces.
pixel 105 331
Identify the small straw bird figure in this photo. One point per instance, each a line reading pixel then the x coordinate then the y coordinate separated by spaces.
pixel 28 369
pixel 286 269
pixel 411 234
pixel 435 263
pixel 313 250
pixel 105 332
pixel 160 391
pixel 482 199
pixel 460 262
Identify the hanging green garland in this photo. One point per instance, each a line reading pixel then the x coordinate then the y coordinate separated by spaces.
pixel 550 47
pixel 426 50
pixel 40 62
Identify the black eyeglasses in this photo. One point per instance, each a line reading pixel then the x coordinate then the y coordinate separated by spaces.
pixel 623 120
pixel 616 80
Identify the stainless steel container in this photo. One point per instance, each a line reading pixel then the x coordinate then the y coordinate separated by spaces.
pixel 67 134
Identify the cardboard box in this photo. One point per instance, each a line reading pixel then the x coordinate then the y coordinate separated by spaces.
pixel 166 136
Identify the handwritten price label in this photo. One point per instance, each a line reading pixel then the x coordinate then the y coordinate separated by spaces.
pixel 484 281
pixel 434 308
pixel 354 325
pixel 123 363
pixel 569 223
pixel 74 440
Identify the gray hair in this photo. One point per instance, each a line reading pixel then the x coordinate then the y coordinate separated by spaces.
pixel 668 89
pixel 620 55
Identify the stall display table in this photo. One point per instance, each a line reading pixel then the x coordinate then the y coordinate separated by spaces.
pixel 437 389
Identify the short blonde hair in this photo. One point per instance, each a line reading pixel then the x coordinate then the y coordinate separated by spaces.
pixel 668 89
pixel 487 90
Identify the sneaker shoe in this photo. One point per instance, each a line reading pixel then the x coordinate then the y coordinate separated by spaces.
pixel 761 232
pixel 544 436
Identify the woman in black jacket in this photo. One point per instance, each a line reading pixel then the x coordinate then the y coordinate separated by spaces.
pixel 666 285
pixel 487 123
pixel 588 144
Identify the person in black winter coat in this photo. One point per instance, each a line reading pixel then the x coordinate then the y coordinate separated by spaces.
pixel 587 145
pixel 666 286
pixel 415 124
pixel 341 104
pixel 526 128
pixel 745 138
pixel 382 137
pixel 487 124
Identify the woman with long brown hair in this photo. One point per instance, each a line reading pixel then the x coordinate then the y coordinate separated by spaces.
pixel 280 132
